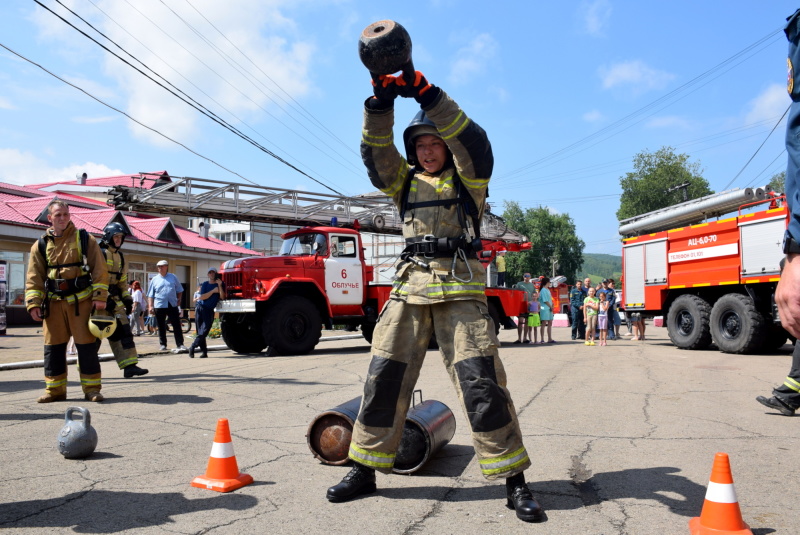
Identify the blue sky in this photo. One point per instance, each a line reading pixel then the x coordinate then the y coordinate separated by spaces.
pixel 549 81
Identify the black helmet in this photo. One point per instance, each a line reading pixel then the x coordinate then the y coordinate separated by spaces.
pixel 419 126
pixel 111 230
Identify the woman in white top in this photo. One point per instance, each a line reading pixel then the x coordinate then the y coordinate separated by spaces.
pixel 136 319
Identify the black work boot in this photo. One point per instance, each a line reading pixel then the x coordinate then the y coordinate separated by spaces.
pixel 360 480
pixel 133 370
pixel 776 403
pixel 520 499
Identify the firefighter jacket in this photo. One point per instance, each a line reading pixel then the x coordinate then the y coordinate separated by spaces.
pixel 65 249
pixel 455 278
pixel 117 276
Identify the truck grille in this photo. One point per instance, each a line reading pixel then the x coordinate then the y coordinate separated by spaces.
pixel 233 283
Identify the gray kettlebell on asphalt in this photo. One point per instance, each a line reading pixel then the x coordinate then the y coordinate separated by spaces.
pixel 77 439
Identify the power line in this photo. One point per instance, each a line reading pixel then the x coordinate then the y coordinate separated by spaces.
pixel 243 72
pixel 757 150
pixel 665 99
pixel 125 114
pixel 217 120
pixel 171 67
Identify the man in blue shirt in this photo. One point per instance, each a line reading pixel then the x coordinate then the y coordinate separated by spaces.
pixel 164 299
pixel 210 292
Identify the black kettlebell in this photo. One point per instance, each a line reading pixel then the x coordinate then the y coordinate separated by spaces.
pixel 385 48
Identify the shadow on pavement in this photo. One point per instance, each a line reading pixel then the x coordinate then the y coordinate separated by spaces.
pixel 159 399
pixel 29 417
pixel 103 511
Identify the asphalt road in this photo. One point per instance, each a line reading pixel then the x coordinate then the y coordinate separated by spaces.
pixel 622 440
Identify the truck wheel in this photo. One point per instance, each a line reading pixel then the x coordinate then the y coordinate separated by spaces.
pixel 292 326
pixel 736 325
pixel 241 334
pixel 688 322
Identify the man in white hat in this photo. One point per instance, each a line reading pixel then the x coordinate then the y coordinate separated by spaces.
pixel 164 299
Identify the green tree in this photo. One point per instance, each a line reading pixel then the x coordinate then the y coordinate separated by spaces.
pixel 647 187
pixel 552 237
pixel 778 182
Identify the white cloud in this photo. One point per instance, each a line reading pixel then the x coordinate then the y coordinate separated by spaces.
pixel 500 93
pixel 668 121
pixel 6 104
pixel 769 105
pixel 472 59
pixel 634 74
pixel 257 27
pixel 596 15
pixel 593 116
pixel 19 167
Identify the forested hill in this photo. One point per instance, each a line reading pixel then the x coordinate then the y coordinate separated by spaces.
pixel 600 266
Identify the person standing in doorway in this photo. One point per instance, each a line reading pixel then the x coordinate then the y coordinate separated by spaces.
pixel 164 299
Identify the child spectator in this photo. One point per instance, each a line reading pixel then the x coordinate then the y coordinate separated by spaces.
pixel 533 316
pixel 602 318
pixel 591 305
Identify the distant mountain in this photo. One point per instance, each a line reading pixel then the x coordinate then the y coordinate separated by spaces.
pixel 600 266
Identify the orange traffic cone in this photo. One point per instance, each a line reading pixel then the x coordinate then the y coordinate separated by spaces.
pixel 222 473
pixel 721 514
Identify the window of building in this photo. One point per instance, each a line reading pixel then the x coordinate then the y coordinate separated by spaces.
pixel 17 267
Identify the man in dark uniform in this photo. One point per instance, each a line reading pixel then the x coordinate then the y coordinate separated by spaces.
pixel 576 297
pixel 440 189
pixel 786 398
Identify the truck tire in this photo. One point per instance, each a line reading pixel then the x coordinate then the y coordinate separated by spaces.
pixel 688 322
pixel 736 325
pixel 292 326
pixel 241 334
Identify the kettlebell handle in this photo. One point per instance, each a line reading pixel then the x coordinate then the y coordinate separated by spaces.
pixel 87 418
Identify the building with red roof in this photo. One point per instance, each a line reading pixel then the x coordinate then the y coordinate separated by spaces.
pixel 23 219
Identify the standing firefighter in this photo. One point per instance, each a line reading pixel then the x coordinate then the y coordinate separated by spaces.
pixel 120 302
pixel 440 189
pixel 66 278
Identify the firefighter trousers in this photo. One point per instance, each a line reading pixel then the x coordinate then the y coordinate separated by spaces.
pixel 789 391
pixel 121 342
pixel 61 323
pixel 466 337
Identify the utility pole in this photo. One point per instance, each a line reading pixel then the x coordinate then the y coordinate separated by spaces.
pixel 554 261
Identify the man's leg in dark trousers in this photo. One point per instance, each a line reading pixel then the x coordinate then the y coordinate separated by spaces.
pixel 161 320
pixel 789 391
pixel 175 321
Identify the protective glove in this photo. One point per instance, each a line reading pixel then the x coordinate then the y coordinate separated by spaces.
pixel 415 85
pixel 385 92
pixel 110 304
pixel 128 302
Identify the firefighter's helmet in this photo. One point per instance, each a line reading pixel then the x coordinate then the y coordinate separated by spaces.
pixel 419 126
pixel 111 230
pixel 101 325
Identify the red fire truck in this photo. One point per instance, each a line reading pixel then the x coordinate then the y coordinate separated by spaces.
pixel 713 281
pixel 320 278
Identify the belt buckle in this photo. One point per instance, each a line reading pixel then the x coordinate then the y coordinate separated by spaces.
pixel 430 239
pixel 63 285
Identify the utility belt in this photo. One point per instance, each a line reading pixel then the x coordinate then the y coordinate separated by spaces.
pixel 432 247
pixel 64 288
pixel 67 287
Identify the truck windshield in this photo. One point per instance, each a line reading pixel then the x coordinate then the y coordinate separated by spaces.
pixel 304 244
